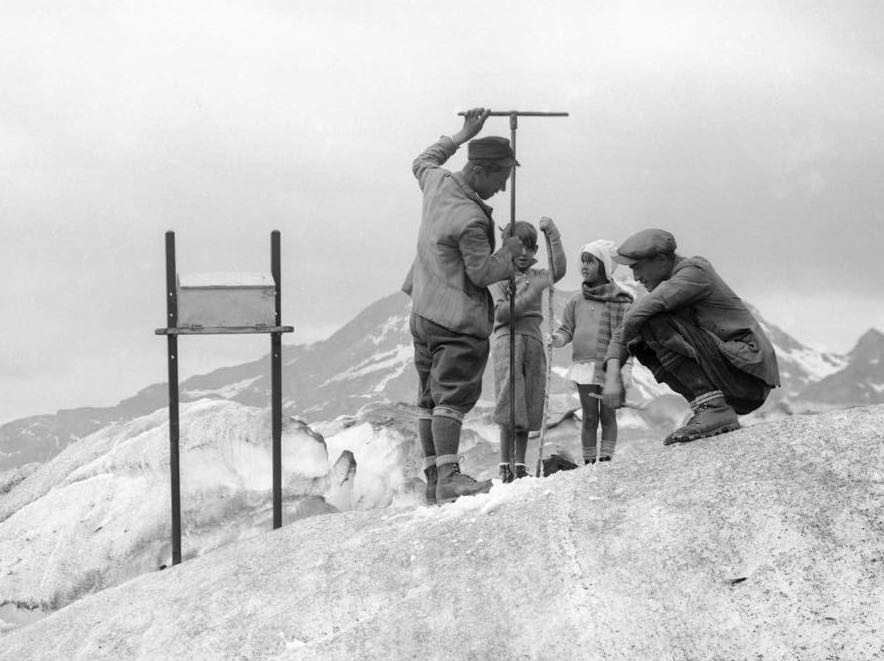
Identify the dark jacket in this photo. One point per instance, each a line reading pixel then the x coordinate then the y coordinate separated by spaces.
pixel 696 289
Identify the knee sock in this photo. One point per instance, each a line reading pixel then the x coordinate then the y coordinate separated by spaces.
pixel 506 441
pixel 589 436
pixel 446 439
pixel 521 445
pixel 425 433
pixel 505 445
pixel 608 447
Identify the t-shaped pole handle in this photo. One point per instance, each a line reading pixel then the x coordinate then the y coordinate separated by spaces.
pixel 522 113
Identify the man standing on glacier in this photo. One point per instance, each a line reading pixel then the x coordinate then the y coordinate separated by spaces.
pixel 694 334
pixel 452 309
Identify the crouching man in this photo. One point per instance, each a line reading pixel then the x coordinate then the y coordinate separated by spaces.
pixel 694 334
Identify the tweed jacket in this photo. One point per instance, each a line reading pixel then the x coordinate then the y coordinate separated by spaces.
pixel 696 291
pixel 448 281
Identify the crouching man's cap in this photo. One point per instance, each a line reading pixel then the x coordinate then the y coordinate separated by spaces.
pixel 644 245
pixel 491 148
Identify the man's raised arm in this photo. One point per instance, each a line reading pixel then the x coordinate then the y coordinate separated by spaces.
pixel 443 149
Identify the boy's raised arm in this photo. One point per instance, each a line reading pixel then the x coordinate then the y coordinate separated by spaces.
pixel 557 256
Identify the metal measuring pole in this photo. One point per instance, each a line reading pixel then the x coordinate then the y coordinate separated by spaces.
pixel 514 124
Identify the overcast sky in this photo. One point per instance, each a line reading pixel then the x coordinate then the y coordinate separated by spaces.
pixel 751 130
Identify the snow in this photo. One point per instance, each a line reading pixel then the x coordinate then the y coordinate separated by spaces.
pixel 818 365
pixel 392 327
pixel 226 279
pixel 759 544
pixel 98 514
pixel 404 363
pixel 227 392
pixel 385 461
pixel 400 358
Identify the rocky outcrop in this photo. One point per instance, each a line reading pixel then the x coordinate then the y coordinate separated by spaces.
pixel 99 513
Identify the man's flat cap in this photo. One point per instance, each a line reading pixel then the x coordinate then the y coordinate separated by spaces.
pixel 644 245
pixel 491 148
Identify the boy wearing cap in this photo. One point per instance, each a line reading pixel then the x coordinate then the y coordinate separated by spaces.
pixel 694 334
pixel 451 317
pixel 529 360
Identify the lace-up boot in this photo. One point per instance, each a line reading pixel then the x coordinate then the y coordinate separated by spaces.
pixel 712 416
pixel 452 484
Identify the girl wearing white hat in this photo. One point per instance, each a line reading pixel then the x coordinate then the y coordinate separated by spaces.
pixel 589 320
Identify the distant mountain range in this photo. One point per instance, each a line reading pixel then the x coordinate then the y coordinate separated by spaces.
pixel 369 361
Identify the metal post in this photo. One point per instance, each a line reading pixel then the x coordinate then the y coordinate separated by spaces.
pixel 514 124
pixel 172 331
pixel 172 340
pixel 276 382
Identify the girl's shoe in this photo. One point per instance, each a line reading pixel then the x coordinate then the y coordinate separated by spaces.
pixel 522 471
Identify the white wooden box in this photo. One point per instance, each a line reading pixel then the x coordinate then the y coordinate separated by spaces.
pixel 226 300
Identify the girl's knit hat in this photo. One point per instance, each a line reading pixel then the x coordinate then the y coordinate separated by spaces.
pixel 601 249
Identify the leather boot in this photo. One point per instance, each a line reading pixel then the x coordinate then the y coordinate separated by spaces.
pixel 432 479
pixel 522 471
pixel 452 484
pixel 712 416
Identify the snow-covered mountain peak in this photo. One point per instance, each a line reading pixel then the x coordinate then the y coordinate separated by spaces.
pixel 869 347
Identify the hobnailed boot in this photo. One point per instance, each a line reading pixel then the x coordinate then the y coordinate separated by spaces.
pixel 452 484
pixel 432 474
pixel 712 416
pixel 506 473
pixel 522 471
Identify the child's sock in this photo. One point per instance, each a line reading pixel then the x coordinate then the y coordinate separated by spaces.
pixel 506 448
pixel 521 445
pixel 607 449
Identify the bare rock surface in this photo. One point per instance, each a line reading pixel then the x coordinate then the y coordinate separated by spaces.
pixel 766 543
